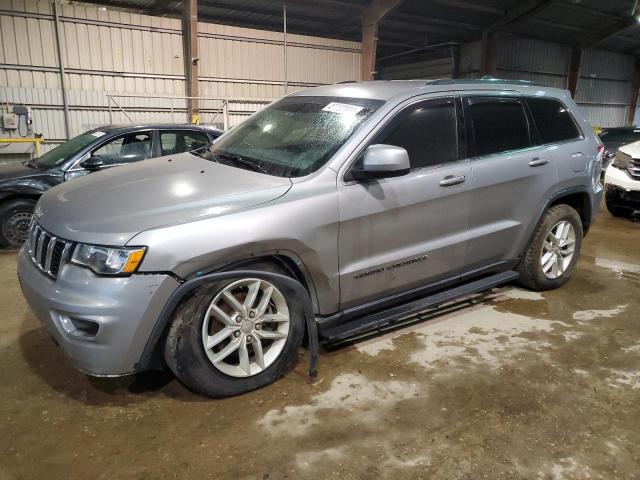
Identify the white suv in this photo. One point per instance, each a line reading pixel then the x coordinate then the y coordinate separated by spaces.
pixel 622 181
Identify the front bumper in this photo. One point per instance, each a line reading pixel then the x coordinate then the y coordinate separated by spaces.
pixel 619 178
pixel 125 310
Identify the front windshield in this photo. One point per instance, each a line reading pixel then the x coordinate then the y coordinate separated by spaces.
pixel 293 137
pixel 64 152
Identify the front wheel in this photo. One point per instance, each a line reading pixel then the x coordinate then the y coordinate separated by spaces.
pixel 15 217
pixel 554 250
pixel 232 337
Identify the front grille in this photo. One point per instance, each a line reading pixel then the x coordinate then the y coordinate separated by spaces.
pixel 634 168
pixel 46 250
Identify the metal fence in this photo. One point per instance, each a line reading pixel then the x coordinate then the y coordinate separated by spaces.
pixel 223 113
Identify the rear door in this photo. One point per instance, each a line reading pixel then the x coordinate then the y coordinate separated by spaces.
pixel 513 177
pixel 397 233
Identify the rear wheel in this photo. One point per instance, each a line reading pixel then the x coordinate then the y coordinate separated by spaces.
pixel 554 250
pixel 235 336
pixel 15 217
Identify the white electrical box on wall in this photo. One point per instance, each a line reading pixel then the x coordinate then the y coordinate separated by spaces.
pixel 9 121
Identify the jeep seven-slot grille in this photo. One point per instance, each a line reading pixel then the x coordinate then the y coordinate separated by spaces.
pixel 46 250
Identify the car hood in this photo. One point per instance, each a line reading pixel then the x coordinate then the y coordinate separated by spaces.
pixel 111 206
pixel 631 149
pixel 14 171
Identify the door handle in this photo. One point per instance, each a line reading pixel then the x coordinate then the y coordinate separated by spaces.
pixel 538 162
pixel 450 180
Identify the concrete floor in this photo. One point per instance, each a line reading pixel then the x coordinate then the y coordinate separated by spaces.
pixel 516 385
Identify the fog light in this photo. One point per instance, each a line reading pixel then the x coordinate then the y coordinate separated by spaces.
pixel 78 327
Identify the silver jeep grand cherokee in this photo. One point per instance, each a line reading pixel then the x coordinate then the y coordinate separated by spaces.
pixel 331 213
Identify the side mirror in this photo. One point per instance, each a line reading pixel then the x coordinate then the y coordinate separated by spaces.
pixel 383 161
pixel 92 164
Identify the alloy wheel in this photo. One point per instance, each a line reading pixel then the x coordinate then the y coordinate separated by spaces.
pixel 558 250
pixel 245 327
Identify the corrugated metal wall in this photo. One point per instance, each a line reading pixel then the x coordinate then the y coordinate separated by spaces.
pixel 431 69
pixel 123 53
pixel 542 62
pixel 604 87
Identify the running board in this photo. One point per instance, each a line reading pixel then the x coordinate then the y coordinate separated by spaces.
pixel 358 326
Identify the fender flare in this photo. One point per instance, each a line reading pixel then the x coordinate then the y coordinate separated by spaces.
pixel 562 193
pixel 188 286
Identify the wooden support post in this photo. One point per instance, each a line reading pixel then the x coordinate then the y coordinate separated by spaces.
pixel 372 14
pixel 573 75
pixel 635 97
pixel 489 65
pixel 455 61
pixel 190 48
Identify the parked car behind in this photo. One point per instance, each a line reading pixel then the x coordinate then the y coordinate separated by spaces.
pixel 622 181
pixel 336 211
pixel 22 184
pixel 614 138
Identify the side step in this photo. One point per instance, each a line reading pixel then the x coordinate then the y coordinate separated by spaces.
pixel 358 326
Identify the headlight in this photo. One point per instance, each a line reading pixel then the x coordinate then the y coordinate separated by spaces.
pixel 622 161
pixel 107 260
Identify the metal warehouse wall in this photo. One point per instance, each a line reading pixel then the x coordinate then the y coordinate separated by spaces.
pixel 605 83
pixel 108 51
pixel 604 87
pixel 438 68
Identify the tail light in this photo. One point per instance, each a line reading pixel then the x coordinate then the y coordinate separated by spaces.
pixel 597 166
pixel 601 151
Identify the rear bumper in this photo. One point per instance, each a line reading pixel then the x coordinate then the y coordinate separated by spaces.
pixel 123 311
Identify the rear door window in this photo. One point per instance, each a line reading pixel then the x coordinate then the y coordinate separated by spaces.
pixel 497 125
pixel 553 121
pixel 178 141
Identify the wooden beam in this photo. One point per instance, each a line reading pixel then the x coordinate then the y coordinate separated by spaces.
pixel 489 55
pixel 191 59
pixel 618 26
pixel 573 75
pixel 635 96
pixel 520 13
pixel 455 61
pixel 372 14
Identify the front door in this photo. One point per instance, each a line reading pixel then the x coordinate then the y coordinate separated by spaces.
pixel 398 233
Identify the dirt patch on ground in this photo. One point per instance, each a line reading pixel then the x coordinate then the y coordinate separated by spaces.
pixel 510 384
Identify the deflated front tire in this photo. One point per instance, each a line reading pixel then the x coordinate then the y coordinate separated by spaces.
pixel 234 336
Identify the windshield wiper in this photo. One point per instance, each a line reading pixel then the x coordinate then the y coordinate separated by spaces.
pixel 242 160
pixel 30 164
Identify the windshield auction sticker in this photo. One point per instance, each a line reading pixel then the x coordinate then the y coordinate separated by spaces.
pixel 342 108
pixel 98 134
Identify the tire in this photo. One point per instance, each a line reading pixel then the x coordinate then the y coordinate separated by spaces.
pixel 15 217
pixel 192 364
pixel 532 271
pixel 615 209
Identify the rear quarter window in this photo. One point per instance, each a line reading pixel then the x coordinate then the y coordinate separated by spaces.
pixel 553 120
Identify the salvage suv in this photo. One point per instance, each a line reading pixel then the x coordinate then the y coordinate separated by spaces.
pixel 334 212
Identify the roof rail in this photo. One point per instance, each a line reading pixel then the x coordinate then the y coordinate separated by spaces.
pixel 482 81
pixel 347 81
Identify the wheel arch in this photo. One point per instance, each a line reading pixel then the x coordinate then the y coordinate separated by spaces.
pixel 11 196
pixel 151 357
pixel 580 201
